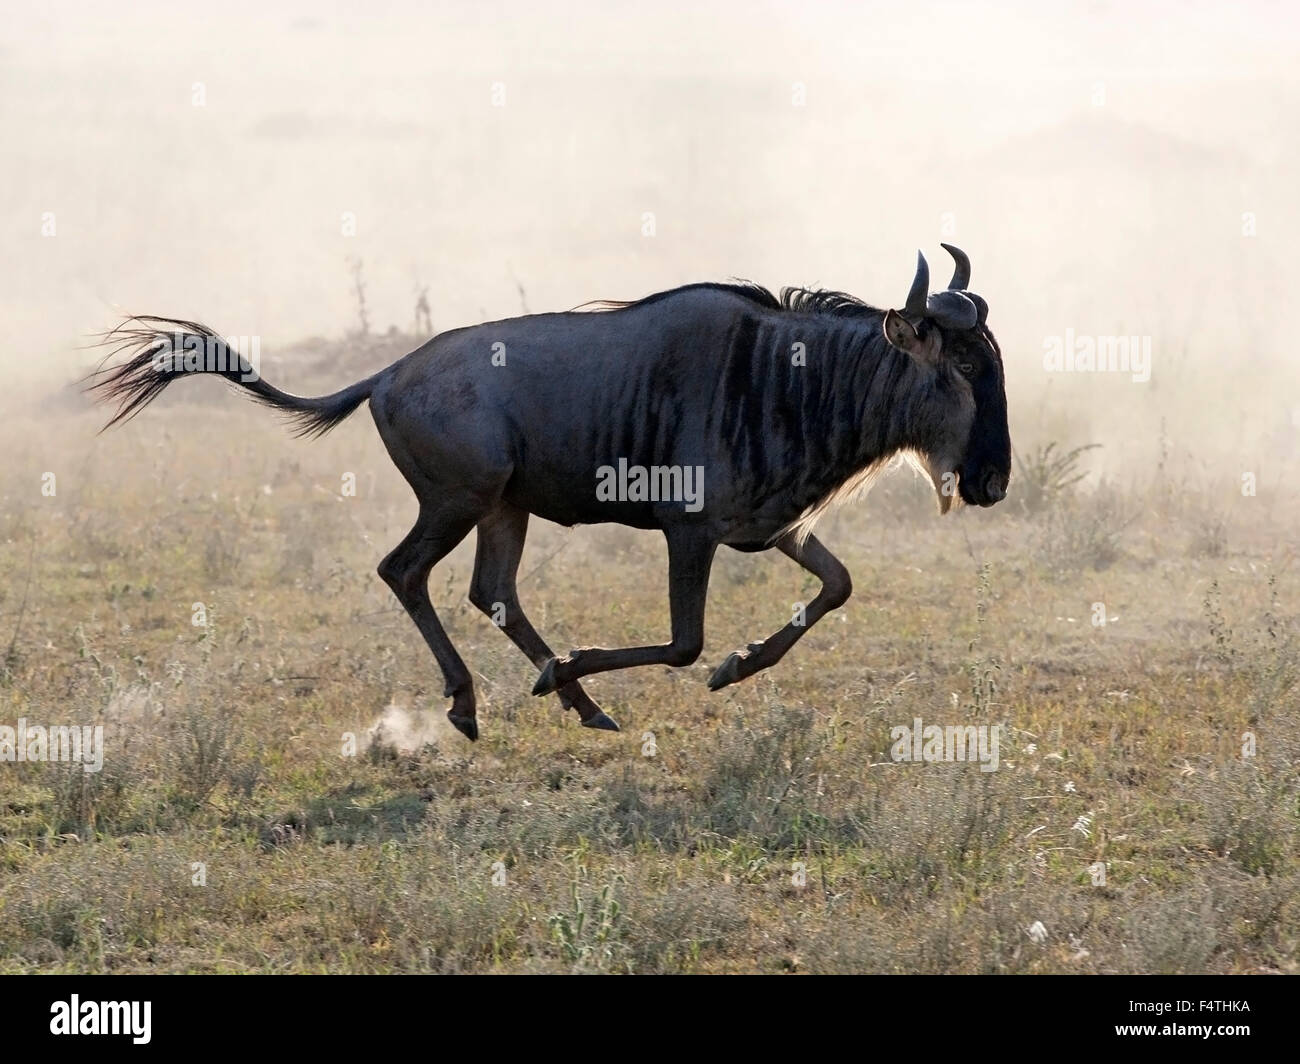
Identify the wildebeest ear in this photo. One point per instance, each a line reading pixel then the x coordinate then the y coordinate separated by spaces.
pixel 899 332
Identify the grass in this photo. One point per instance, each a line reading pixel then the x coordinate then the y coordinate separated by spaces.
pixel 761 829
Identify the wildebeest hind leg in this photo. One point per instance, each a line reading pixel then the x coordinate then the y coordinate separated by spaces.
pixel 501 537
pixel 836 588
pixel 406 571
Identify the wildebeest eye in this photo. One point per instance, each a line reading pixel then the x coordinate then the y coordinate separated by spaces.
pixel 967 368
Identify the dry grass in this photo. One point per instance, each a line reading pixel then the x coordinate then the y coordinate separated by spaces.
pixel 546 847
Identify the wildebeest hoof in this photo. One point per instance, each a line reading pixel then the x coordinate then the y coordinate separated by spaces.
pixel 601 721
pixel 726 673
pixel 546 682
pixel 467 726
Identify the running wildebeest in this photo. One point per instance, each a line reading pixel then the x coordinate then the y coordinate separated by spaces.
pixel 731 416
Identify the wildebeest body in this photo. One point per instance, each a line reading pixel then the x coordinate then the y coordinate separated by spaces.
pixel 781 406
pixel 702 377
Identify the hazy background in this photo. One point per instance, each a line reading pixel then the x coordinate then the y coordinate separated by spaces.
pixel 204 585
pixel 1095 160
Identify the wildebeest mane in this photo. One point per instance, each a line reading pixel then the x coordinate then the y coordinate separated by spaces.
pixel 795 300
pixel 825 301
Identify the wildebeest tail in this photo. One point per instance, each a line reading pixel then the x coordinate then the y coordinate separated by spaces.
pixel 160 350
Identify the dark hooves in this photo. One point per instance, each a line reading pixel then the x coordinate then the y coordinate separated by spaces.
pixel 601 721
pixel 467 726
pixel 726 673
pixel 546 684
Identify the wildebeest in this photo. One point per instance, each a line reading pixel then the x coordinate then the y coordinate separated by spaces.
pixel 777 406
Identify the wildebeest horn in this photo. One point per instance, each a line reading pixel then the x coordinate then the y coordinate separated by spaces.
pixel 920 288
pixel 954 309
pixel 961 275
pixel 980 306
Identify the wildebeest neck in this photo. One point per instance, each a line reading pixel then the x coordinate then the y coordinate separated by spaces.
pixel 803 402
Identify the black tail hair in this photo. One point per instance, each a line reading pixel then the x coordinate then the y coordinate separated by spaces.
pixel 156 350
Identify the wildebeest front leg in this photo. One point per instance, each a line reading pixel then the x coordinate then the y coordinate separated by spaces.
pixel 690 555
pixel 501 538
pixel 836 588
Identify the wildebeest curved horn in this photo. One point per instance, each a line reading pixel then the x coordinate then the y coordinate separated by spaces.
pixel 920 287
pixel 961 275
pixel 954 309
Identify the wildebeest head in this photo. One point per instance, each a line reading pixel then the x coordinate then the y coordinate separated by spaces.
pixel 963 442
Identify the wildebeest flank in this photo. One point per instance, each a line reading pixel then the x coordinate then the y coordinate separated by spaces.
pixel 784 405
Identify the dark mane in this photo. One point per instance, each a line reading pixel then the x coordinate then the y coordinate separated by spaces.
pixel 794 300
pixel 824 301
